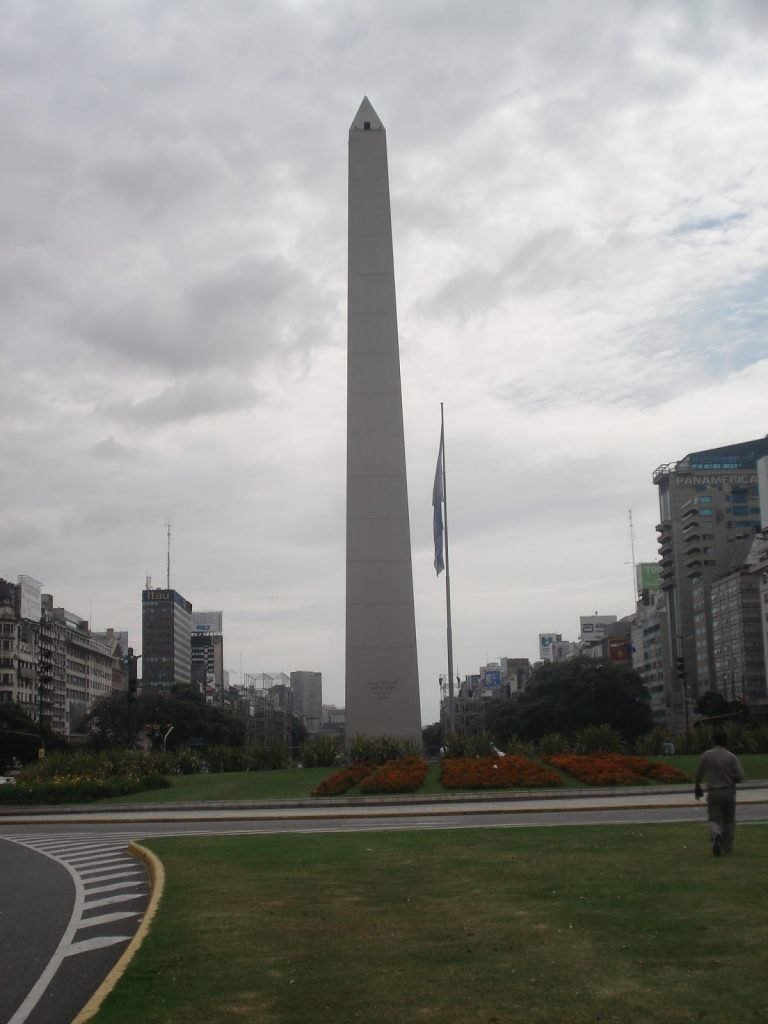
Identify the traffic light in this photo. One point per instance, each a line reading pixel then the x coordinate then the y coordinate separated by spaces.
pixel 681 673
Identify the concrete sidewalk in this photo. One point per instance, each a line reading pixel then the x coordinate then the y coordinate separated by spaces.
pixel 495 802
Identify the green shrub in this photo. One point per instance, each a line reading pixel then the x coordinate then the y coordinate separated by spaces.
pixel 226 759
pixel 274 754
pixel 78 790
pixel 480 745
pixel 651 744
pixel 594 738
pixel 320 752
pixel 380 749
pixel 555 743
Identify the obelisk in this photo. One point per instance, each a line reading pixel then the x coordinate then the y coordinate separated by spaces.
pixel 382 675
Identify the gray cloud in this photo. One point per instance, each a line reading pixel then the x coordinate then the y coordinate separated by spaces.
pixel 208 394
pixel 109 449
pixel 581 233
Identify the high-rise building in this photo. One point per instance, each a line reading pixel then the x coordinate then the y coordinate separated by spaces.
pixel 382 676
pixel 709 512
pixel 51 664
pixel 651 650
pixel 307 690
pixel 166 626
pixel 208 653
pixel 737 637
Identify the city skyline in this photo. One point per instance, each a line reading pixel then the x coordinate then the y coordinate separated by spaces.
pixel 580 248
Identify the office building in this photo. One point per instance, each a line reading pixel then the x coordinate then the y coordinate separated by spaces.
pixel 709 512
pixel 51 664
pixel 307 691
pixel 166 626
pixel 651 650
pixel 207 653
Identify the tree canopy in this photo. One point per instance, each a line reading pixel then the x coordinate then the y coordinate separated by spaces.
pixel 20 736
pixel 569 695
pixel 120 719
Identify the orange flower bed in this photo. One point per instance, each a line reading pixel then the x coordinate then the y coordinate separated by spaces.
pixel 507 772
pixel 615 769
pixel 342 781
pixel 404 776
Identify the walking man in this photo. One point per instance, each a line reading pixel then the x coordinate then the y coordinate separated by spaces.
pixel 721 770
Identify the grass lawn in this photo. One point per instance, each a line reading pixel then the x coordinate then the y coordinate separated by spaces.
pixel 755 765
pixel 298 783
pixel 483 926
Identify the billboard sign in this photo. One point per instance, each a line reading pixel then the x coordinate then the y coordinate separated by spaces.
pixel 648 576
pixel 207 622
pixel 30 606
pixel 618 649
pixel 595 624
pixel 546 641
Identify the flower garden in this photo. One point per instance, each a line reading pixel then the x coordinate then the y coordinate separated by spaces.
pixel 615 769
pixel 404 775
pixel 85 776
pixel 507 772
pixel 407 775
pixel 342 781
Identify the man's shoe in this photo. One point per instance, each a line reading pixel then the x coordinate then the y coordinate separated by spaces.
pixel 717 846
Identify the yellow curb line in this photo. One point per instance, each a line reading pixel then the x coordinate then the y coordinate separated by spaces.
pixel 156 873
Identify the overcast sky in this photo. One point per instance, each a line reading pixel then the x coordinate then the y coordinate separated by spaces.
pixel 579 197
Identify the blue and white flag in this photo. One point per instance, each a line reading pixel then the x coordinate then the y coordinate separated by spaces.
pixel 438 496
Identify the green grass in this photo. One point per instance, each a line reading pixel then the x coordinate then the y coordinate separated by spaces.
pixel 755 765
pixel 280 784
pixel 298 783
pixel 637 924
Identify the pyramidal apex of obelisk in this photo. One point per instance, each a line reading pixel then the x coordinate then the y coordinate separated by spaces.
pixel 366 113
pixel 382 676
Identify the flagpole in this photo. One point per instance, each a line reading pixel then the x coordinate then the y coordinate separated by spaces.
pixel 449 631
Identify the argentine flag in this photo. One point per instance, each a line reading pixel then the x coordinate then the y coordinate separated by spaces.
pixel 438 496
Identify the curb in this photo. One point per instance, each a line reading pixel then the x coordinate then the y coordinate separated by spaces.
pixel 156 873
pixel 346 814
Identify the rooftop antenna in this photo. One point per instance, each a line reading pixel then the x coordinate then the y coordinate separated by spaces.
pixel 148 582
pixel 168 557
pixel 634 564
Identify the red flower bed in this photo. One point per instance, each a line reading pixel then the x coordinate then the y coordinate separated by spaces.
pixel 615 769
pixel 342 781
pixel 507 772
pixel 660 772
pixel 404 776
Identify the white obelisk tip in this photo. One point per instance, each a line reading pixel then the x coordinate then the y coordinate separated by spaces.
pixel 366 119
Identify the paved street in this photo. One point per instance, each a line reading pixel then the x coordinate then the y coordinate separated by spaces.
pixel 70 906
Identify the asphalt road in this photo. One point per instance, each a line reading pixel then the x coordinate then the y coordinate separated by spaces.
pixel 71 897
pixel 69 906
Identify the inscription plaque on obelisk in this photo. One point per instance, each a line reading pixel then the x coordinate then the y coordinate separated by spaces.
pixel 382 675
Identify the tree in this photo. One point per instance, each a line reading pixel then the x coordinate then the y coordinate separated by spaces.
pixel 713 704
pixel 120 719
pixel 432 739
pixel 569 695
pixel 20 736
pixel 299 733
pixel 502 720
